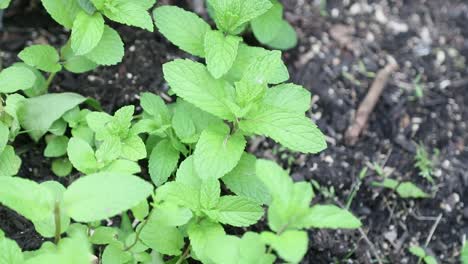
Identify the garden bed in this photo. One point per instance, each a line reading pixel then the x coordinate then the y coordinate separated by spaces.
pixel 426 38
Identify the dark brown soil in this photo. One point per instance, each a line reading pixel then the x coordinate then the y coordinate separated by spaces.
pixel 426 37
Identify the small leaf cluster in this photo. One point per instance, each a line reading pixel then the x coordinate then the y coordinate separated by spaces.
pixel 422 255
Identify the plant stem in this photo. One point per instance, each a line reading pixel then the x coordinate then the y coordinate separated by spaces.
pixel 184 255
pixel 58 223
pixel 50 79
pixel 137 236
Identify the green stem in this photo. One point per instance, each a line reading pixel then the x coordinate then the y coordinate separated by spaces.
pixel 137 236
pixel 184 255
pixel 58 223
pixel 50 79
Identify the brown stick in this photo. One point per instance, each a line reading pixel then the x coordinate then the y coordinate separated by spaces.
pixel 368 104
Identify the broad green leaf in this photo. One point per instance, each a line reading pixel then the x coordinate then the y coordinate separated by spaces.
pixel 387 183
pixel 97 121
pixel 220 51
pixel 81 155
pixel 291 97
pixel 217 152
pixel 168 214
pixel 15 78
pixel 109 150
pixel 26 197
pixel 290 129
pixel 62 167
pixel 210 192
pixel 187 175
pixel 275 179
pixel 74 63
pixel 104 235
pixel 63 12
pixel 146 4
pixel 87 32
pixel 243 181
pixel 155 106
pixel 417 251
pixel 180 194
pixel 109 50
pixel 129 13
pixel 46 227
pixel 200 233
pixel 252 250
pixel 133 148
pixel 4 136
pixel 192 81
pixel 267 69
pixel 430 260
pixel 40 84
pixel 162 162
pixel 115 254
pixel 123 166
pixel 229 15
pixel 56 147
pixel 10 251
pixel 246 55
pixel 87 6
pixel 99 4
pixel 329 216
pixel 167 240
pixel 43 57
pixel 290 245
pixel 185 29
pixel 236 211
pixel 410 190
pixel 223 249
pixel 286 37
pixel 10 163
pixel 141 211
pixel 464 254
pixel 266 27
pixel 37 114
pixel 99 196
pixel 4 3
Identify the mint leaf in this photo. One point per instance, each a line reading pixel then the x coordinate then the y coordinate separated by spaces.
pixel 87 6
pixel 224 249
pixel 246 55
pixel 168 214
pixel 217 152
pixel 200 233
pixel 288 96
pixel 26 197
pixel 164 239
pixel 230 15
pixel 115 253
pixel 290 245
pixel 129 13
pixel 286 37
pixel 192 81
pixel 11 252
pixel 99 196
pixel 133 148
pixel 210 192
pixel 16 78
pixel 141 211
pixel 109 150
pixel 61 167
pixel 221 51
pixel 410 190
pixel 243 181
pixel 10 163
pixel 162 162
pixel 146 4
pixel 87 32
pixel 267 69
pixel 56 147
pixel 76 64
pixel 236 211
pixel 122 166
pixel 81 155
pixel 464 254
pixel 155 106
pixel 43 57
pixel 185 29
pixel 4 4
pixel 4 136
pixel 292 130
pixel 63 12
pixel 180 194
pixel 329 216
pixel 417 251
pixel 252 250
pixel 103 235
pixel 266 27
pixel 109 50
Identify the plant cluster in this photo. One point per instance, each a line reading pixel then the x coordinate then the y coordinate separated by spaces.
pixel 203 182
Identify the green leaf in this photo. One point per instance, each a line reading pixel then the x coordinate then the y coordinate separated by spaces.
pixel 290 245
pixel 109 50
pixel 192 81
pixel 166 240
pixel 43 57
pixel 109 150
pixel 129 13
pixel 63 12
pixel 4 4
pixel 16 78
pixel 236 211
pixel 168 214
pixel 81 155
pixel 329 216
pixel 246 55
pixel 146 4
pixel 12 103
pixel 62 167
pixel 217 152
pixel 410 190
pixel 10 163
pixel 123 166
pixel 87 32
pixel 87 6
pixel 103 195
pixel 252 250
pixel 292 130
pixel 115 254
pixel 76 64
pixel 40 84
pixel 180 194
pixel 291 97
pixel 210 192
pixel 56 147
pixel 11 252
pixel 417 251
pixel 430 260
pixel 162 162
pixel 37 114
pixel 141 211
pixel 104 235
pixel 4 136
pixel 133 148
pixel 464 254
pixel 286 37
pixel 155 106
pixel 266 27
pixel 229 15
pixel 46 227
pixel 267 69
pixel 200 233
pixel 185 29
pixel 224 249
pixel 221 51
pixel 243 181
pixel 28 198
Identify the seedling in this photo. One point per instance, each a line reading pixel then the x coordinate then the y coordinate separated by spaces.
pixel 418 87
pixel 422 255
pixel 404 189
pixel 424 163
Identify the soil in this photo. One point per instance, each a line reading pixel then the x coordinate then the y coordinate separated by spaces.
pixel 341 46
